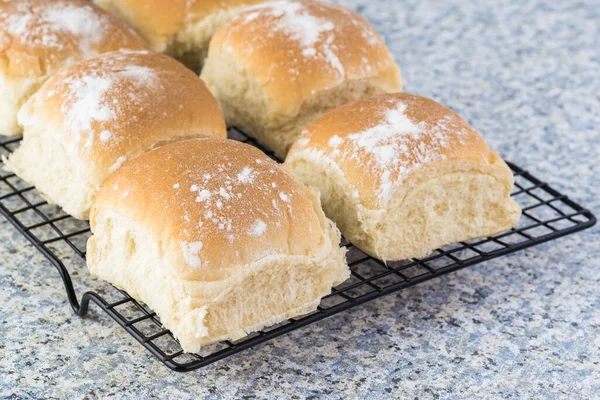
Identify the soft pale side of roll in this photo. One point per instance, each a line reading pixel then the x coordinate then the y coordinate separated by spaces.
pixel 402 175
pixel 91 117
pixel 180 28
pixel 39 37
pixel 216 238
pixel 279 65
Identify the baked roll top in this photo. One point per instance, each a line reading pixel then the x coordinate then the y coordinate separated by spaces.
pixel 408 161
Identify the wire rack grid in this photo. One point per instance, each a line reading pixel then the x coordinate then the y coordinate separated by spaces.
pixel 547 215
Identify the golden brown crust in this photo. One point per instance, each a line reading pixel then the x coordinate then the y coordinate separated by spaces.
pixel 123 103
pixel 294 49
pixel 38 37
pixel 381 142
pixel 159 20
pixel 215 205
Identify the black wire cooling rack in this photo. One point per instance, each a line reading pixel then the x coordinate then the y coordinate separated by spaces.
pixel 547 215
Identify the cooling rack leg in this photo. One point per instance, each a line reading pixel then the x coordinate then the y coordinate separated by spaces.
pixel 85 303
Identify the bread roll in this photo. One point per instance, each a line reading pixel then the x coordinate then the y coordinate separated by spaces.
pixel 91 117
pixel 216 238
pixel 279 65
pixel 179 28
pixel 39 37
pixel 402 175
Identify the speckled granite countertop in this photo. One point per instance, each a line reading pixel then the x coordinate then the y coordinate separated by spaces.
pixel 525 74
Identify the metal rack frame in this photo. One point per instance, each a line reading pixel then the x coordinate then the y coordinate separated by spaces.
pixel 547 215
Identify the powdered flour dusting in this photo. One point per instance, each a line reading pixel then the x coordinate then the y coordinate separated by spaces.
pixel 396 146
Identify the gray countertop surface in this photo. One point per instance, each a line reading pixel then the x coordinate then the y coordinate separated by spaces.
pixel 526 74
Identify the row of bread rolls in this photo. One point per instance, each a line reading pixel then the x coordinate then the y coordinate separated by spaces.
pixel 301 59
pixel 217 238
pixel 40 37
pixel 274 67
pixel 211 233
